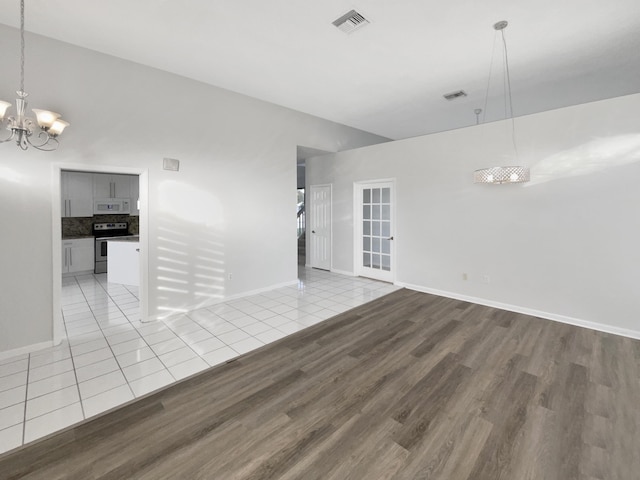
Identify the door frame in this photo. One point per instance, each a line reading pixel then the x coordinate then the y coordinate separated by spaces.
pixel 311 218
pixel 357 225
pixel 56 215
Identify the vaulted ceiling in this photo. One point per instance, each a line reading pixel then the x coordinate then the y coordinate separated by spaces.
pixel 388 77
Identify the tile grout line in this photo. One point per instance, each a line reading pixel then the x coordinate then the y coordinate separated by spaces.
pixel 143 339
pixel 106 292
pixel 75 371
pixel 26 399
pixel 189 346
pixel 109 345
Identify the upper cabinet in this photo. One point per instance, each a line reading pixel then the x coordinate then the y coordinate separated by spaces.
pixel 111 185
pixel 77 194
pixel 79 190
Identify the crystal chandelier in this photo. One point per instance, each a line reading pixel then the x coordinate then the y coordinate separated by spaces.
pixel 513 174
pixel 510 174
pixel 41 133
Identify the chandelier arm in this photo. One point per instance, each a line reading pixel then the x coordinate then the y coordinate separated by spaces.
pixel 48 141
pixel 10 137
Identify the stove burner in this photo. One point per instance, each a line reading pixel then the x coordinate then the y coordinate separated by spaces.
pixel 118 229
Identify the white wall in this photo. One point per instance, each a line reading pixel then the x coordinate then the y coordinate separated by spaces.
pixel 230 208
pixel 565 246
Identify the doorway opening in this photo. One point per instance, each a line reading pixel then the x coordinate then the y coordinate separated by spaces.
pixel 92 204
pixel 301 216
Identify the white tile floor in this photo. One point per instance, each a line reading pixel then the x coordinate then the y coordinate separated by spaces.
pixel 110 357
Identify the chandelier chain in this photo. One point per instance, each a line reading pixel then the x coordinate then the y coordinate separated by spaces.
pixel 22 46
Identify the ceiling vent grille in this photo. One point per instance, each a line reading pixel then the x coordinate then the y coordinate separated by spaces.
pixel 454 95
pixel 350 22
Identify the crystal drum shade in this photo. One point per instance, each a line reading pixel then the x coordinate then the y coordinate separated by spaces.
pixel 512 174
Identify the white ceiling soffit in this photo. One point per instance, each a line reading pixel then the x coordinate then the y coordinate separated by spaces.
pixel 307 152
pixel 388 78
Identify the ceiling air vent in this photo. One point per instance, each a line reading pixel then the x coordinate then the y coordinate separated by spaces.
pixel 350 21
pixel 454 95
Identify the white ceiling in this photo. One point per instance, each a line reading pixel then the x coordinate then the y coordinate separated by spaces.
pixel 388 77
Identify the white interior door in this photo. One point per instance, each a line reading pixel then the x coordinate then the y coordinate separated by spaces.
pixel 375 231
pixel 319 231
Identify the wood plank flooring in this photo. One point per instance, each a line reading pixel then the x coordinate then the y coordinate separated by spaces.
pixel 410 386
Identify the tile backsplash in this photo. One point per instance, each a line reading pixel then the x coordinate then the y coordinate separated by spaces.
pixel 79 226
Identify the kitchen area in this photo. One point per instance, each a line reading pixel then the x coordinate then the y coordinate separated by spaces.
pixel 100 225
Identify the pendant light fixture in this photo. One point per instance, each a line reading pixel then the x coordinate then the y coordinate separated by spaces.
pixel 41 133
pixel 513 173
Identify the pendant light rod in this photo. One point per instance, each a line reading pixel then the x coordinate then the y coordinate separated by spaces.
pixel 22 45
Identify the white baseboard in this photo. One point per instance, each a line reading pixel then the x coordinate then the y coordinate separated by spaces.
pixel 23 350
pixel 343 272
pixel 73 274
pixel 217 301
pixel 601 327
pixel 334 270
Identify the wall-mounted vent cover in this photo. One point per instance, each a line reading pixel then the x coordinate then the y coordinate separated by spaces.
pixel 172 164
pixel 350 21
pixel 454 95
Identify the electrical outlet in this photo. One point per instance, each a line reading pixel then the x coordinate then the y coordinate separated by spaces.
pixel 230 276
pixel 486 279
pixel 465 276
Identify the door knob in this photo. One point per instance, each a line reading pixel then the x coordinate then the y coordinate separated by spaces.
pixel 390 238
pixel 313 231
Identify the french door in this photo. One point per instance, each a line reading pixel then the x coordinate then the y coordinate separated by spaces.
pixel 374 227
pixel 319 230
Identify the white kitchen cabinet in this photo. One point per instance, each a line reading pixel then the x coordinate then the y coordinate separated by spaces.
pixel 76 194
pixel 106 185
pixel 78 255
pixel 135 194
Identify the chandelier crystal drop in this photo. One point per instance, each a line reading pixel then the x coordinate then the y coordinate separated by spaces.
pixel 509 174
pixel 41 133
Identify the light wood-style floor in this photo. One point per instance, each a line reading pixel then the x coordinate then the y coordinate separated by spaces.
pixel 410 386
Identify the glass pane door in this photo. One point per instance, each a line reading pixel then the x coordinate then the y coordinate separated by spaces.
pixel 376 228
